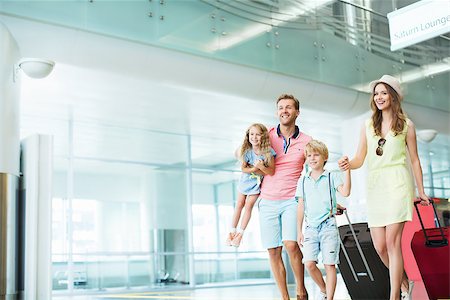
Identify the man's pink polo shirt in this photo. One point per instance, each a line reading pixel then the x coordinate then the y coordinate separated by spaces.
pixel 288 165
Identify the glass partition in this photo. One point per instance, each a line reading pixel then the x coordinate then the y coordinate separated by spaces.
pixel 214 196
pixel 115 143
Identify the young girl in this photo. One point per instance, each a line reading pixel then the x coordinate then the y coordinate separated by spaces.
pixel 257 159
pixel 385 141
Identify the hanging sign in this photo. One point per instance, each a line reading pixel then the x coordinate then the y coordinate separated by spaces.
pixel 418 22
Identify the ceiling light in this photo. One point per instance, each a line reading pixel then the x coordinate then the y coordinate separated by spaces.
pixel 34 67
pixel 426 135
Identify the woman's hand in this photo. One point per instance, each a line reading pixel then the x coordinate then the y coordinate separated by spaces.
pixel 424 199
pixel 344 163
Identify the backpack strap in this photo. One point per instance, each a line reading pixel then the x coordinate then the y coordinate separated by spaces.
pixel 329 186
pixel 331 197
pixel 303 188
pixel 303 192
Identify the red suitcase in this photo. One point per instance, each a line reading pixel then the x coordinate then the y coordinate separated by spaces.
pixel 427 215
pixel 432 252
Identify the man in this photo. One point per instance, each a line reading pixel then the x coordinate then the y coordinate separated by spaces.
pixel 278 206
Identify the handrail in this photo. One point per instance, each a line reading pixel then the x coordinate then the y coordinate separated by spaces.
pixel 325 19
pixel 363 8
pixel 144 253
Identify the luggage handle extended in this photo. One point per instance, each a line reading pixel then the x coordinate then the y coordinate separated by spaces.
pixel 369 272
pixel 429 242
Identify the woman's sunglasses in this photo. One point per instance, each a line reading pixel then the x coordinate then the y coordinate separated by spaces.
pixel 381 143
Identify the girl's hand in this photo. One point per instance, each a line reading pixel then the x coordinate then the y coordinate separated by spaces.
pixel 300 238
pixel 259 164
pixel 344 163
pixel 424 199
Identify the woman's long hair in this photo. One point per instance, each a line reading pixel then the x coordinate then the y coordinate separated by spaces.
pixel 265 143
pixel 398 117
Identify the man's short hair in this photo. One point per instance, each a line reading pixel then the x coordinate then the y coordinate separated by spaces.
pixel 291 97
pixel 317 146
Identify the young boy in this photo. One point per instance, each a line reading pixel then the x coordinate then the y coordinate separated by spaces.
pixel 317 205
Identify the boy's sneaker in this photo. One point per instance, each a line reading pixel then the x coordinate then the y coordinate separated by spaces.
pixel 408 295
pixel 322 296
pixel 230 238
pixel 237 240
pixel 405 296
pixel 410 289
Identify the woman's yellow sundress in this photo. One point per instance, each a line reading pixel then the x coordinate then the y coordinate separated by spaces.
pixel 390 189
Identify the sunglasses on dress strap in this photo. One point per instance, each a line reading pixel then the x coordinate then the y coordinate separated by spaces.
pixel 381 143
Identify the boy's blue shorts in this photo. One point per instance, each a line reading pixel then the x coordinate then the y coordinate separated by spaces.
pixel 324 239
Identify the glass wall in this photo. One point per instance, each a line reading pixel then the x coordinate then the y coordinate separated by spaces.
pixel 436 168
pixel 135 208
pixel 212 210
pixel 123 202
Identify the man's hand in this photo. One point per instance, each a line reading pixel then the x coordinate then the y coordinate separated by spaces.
pixel 300 238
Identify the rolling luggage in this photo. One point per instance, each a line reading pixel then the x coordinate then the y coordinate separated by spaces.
pixel 432 252
pixel 364 274
pixel 411 268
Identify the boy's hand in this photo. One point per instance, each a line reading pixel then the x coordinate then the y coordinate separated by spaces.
pixel 300 238
pixel 344 163
pixel 340 209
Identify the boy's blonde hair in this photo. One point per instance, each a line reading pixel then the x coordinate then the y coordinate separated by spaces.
pixel 317 146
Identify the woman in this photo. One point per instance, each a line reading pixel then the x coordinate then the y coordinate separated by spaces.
pixel 384 141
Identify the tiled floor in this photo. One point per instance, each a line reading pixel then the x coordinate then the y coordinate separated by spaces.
pixel 246 292
pixel 241 292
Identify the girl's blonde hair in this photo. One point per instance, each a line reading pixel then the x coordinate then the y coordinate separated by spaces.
pixel 398 116
pixel 265 143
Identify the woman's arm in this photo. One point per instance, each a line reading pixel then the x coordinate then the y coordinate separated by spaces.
pixel 411 144
pixel 360 156
pixel 361 153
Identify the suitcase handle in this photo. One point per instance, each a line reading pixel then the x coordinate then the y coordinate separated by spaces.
pixel 348 260
pixel 369 272
pixel 429 242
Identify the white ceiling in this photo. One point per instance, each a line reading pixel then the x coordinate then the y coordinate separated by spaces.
pixel 110 109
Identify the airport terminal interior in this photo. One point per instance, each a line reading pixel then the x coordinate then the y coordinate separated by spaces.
pixel 143 111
